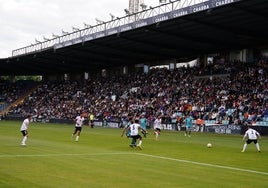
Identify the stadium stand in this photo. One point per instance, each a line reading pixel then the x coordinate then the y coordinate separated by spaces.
pixel 216 93
pixel 237 99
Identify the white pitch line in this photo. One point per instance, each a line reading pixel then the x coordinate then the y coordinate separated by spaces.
pixel 204 164
pixel 140 154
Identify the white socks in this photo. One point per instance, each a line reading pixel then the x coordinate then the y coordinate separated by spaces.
pixel 257 146
pixel 24 140
pixel 244 147
pixel 156 135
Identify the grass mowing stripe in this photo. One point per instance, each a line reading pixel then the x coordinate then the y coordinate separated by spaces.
pixel 102 158
pixel 60 155
pixel 204 164
pixel 140 154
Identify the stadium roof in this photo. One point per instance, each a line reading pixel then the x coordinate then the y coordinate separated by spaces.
pixel 243 24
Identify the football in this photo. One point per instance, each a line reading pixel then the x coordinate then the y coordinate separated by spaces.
pixel 209 145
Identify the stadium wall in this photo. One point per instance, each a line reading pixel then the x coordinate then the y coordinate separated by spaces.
pixel 211 128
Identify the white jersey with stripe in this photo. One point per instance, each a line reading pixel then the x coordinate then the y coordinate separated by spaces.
pixel 79 121
pixel 134 129
pixel 25 124
pixel 251 134
pixel 157 123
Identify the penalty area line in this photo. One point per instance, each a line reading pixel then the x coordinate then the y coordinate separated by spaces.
pixel 204 164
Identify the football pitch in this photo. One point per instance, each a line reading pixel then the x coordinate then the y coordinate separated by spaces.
pixel 102 158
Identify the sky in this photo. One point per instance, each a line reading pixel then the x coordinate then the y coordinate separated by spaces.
pixel 23 21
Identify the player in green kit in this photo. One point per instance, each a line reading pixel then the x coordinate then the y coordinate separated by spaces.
pixel 188 124
pixel 127 131
pixel 143 123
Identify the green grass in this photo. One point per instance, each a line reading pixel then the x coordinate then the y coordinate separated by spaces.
pixel 102 158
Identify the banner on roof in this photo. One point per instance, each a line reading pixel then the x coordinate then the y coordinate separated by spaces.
pixel 204 6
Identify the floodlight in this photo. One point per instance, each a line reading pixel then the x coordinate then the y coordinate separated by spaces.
pixel 55 36
pixel 112 16
pixel 143 6
pixel 45 39
pixel 64 32
pixel 87 25
pixel 75 29
pixel 126 11
pixel 99 21
pixel 37 41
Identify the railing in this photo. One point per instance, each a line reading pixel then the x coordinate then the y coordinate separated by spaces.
pixel 170 10
pixel 3 107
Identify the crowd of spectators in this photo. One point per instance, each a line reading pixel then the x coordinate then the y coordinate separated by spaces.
pixel 236 92
pixel 11 91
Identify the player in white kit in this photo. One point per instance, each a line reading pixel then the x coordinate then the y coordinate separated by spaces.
pixel 253 136
pixel 157 127
pixel 78 125
pixel 24 129
pixel 134 133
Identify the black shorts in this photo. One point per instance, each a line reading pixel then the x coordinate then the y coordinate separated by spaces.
pixel 24 132
pixel 249 141
pixel 157 129
pixel 136 137
pixel 78 129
